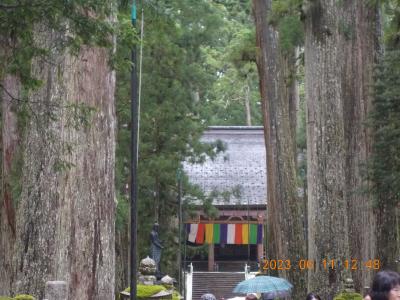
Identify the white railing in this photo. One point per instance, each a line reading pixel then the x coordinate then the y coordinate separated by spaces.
pixel 189 283
pixel 246 271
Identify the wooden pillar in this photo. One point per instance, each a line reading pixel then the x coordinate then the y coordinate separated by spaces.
pixel 210 257
pixel 260 247
pixel 260 251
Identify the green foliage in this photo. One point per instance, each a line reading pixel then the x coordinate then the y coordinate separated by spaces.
pixel 146 291
pixel 170 123
pixel 241 48
pixel 284 8
pixel 77 22
pixel 122 213
pixel 348 296
pixel 232 63
pixel 24 297
pixel 127 37
pixel 391 23
pixel 291 33
pixel 285 17
pixel 176 295
pixel 384 166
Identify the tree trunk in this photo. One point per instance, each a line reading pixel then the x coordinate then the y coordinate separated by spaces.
pixel 340 47
pixel 361 53
pixel 285 228
pixel 65 215
pixel 294 99
pixel 10 139
pixel 247 106
pixel 122 259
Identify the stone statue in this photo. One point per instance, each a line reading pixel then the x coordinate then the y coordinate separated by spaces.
pixel 156 246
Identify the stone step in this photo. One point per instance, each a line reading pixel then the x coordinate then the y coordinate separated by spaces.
pixel 221 284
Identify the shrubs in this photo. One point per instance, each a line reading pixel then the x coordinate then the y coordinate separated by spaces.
pixel 146 291
pixel 348 296
pixel 18 297
pixel 24 297
pixel 176 296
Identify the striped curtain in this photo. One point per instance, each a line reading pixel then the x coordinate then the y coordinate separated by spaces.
pixel 234 234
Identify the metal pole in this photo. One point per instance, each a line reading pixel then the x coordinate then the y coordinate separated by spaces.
pixel 184 264
pixel 180 227
pixel 134 163
pixel 248 235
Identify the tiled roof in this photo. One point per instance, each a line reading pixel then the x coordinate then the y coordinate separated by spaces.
pixel 241 167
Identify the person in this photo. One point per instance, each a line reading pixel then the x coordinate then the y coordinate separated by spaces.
pixel 313 296
pixel 208 296
pixel 367 297
pixel 251 296
pixel 385 286
pixel 156 246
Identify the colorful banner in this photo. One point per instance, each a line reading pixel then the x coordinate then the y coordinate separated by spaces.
pixel 200 234
pixel 245 234
pixel 217 233
pixel 224 234
pixel 238 234
pixel 209 233
pixel 234 234
pixel 231 234
pixel 193 232
pixel 259 234
pixel 253 234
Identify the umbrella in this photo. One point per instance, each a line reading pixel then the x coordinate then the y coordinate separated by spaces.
pixel 270 286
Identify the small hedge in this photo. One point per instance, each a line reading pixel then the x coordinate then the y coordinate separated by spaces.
pixel 348 296
pixel 176 296
pixel 146 291
pixel 18 297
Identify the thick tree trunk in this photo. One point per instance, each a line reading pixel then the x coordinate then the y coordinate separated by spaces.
pixel 65 215
pixel 361 48
pixel 285 227
pixel 10 139
pixel 340 48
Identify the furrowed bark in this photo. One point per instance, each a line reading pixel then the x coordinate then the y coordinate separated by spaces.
pixel 340 48
pixel 65 214
pixel 285 228
pixel 10 139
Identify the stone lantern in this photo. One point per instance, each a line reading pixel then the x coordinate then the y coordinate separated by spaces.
pixel 147 270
